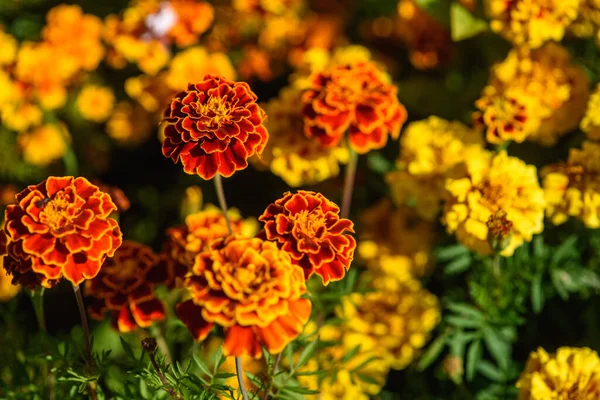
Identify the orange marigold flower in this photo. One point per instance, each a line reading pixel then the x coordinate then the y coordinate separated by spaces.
pixel 193 19
pixel 125 287
pixel 308 226
pixel 356 98
pixel 59 228
pixel 252 289
pixel 213 127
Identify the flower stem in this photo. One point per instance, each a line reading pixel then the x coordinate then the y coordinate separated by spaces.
pixel 89 366
pixel 222 202
pixel 149 344
pixel 70 161
pixel 496 265
pixel 162 343
pixel 349 183
pixel 37 299
pixel 275 367
pixel 240 377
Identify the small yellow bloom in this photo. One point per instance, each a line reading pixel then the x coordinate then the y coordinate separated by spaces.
pixel 21 116
pixel 191 65
pixel 341 386
pixel 8 48
pixel 151 92
pixel 590 123
pixel 95 103
pixel 129 124
pixel 570 373
pixel 44 145
pixel 588 19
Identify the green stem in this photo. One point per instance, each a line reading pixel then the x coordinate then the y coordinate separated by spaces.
pixel 496 265
pixel 349 183
pixel 86 337
pixel 240 377
pixel 162 343
pixel 70 161
pixel 37 299
pixel 222 202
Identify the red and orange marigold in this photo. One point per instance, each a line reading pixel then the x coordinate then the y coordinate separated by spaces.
pixel 307 225
pixel 125 288
pixel 356 98
pixel 59 228
pixel 252 289
pixel 213 127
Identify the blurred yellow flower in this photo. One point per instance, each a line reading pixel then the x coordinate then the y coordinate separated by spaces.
pixel 151 92
pixel 193 64
pixel 289 154
pixel 569 373
pixel 95 103
pixel 588 19
pixel 43 145
pixel 7 289
pixel 489 183
pixel 129 124
pixel 193 19
pixel 573 188
pixel 341 386
pixel 74 35
pixel 429 149
pixel 531 22
pixel 21 116
pixel 8 47
pixel 590 123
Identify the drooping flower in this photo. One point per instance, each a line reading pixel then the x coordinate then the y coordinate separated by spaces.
pixel 307 225
pixel 213 127
pixel 125 288
pixel 531 22
pixel 355 98
pixel 590 123
pixel 572 189
pixel 44 145
pixel 185 242
pixel 95 103
pixel 429 150
pixel 569 373
pixel 298 160
pixel 250 288
pixel 487 184
pixel 59 228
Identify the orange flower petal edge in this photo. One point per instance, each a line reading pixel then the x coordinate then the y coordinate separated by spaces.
pixel 307 226
pixel 59 228
pixel 213 127
pixel 252 289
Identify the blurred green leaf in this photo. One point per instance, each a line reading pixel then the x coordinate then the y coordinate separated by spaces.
pixel 463 24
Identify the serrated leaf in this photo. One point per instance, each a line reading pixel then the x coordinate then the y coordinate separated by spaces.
pixel 463 24
pixel 432 353
pixel 448 253
pixel 458 266
pixel 498 347
pixel 224 375
pixel 563 251
pixel 463 322
pixel 473 357
pixel 348 356
pixel 307 353
pixel 127 347
pixel 466 310
pixel 537 294
pixel 218 360
pixel 490 371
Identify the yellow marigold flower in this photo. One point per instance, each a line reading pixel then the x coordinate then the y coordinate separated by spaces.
pixel 573 188
pixel 95 103
pixel 395 239
pixel 341 386
pixel 9 91
pixel 193 64
pixel 8 47
pixel 569 373
pixel 44 145
pixel 289 154
pixel 590 123
pixel 151 92
pixel 21 117
pixel 429 149
pixel 487 184
pixel 588 19
pixel 75 34
pixel 555 89
pixel 394 322
pixel 531 22
pixel 129 124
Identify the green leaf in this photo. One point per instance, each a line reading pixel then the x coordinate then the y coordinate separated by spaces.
pixel 458 266
pixel 490 371
pixel 438 9
pixel 378 163
pixel 497 345
pixel 127 347
pixel 432 353
pixel 348 356
pixel 463 322
pixel 224 375
pixel 558 280
pixel 537 294
pixel 219 359
pixel 565 250
pixel 201 365
pixel 451 252
pixel 300 390
pixel 463 24
pixel 473 357
pixel 466 310
pixel 307 353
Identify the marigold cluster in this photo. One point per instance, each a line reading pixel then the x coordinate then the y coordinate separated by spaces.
pixel 59 228
pixel 250 288
pixel 125 288
pixel 429 150
pixel 488 183
pixel 590 123
pixel 307 226
pixel 213 127
pixel 569 373
pixel 588 19
pixel 354 98
pixel 531 22
pixel 44 145
pixel 572 189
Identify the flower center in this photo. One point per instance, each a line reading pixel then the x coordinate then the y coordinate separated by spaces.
pixel 310 224
pixel 506 110
pixel 215 109
pixel 54 213
pixel 126 270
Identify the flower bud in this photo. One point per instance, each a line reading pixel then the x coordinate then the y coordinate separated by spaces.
pixel 499 231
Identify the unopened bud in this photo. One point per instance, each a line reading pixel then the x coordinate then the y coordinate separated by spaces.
pixel 499 231
pixel 149 344
pixel 452 366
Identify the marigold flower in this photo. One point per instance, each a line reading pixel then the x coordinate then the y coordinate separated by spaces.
pixel 193 64
pixel 394 322
pixel 252 289
pixel 573 188
pixel 186 241
pixel 588 19
pixel 193 19
pixel 21 117
pixel 308 226
pixel 95 103
pixel 8 47
pixel 569 373
pixel 213 127
pixel 44 145
pixel 429 150
pixel 75 34
pixel 487 184
pixel 116 194
pixel 125 288
pixel 151 92
pixel 59 228
pixel 289 154
pixel 355 98
pixel 590 123
pixel 129 124
pixel 531 22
